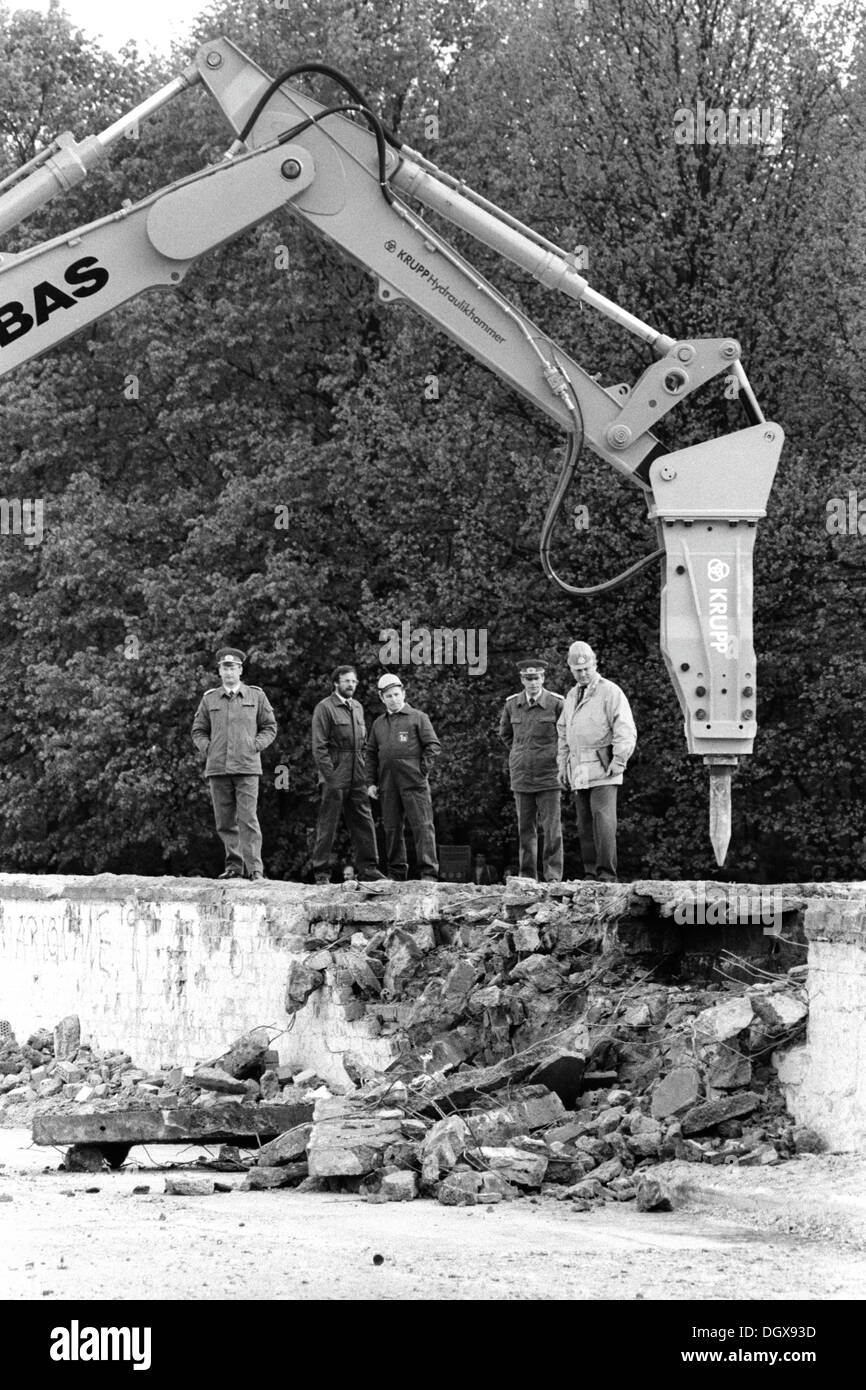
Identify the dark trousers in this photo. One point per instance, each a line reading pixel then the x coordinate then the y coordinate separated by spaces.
pixel 414 804
pixel 234 800
pixel 596 829
pixel 353 804
pixel 534 809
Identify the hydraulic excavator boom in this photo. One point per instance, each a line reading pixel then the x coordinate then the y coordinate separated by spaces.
pixel 340 171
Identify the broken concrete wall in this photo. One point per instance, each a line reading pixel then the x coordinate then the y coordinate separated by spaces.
pixel 167 969
pixel 825 1078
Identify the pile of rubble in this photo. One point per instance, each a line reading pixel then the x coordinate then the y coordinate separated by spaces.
pixel 55 1071
pixel 663 1073
pixel 534 1054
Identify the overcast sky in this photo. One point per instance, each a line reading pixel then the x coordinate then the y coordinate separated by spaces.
pixel 156 22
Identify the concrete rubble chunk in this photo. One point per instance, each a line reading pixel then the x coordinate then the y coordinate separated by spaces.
pixel 460 1189
pixel 539 971
pixel 526 937
pixel 269 1086
pixel 67 1037
pixel 676 1093
pixel 262 1178
pixel 348 1139
pixel 652 1194
pixel 246 1057
pixel 781 1012
pixel 444 1145
pixel 401 1186
pixel 704 1117
pixel 764 1156
pixel 189 1187
pixel 301 983
pixel 212 1079
pixel 606 1172
pixel 724 1021
pixel 727 1068
pixel 516 1166
pixel 286 1148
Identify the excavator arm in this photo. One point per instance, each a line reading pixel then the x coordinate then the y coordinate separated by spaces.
pixel 357 186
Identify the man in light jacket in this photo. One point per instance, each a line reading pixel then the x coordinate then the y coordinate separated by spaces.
pixel 597 736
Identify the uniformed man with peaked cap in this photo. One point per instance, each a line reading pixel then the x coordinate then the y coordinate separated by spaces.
pixel 232 724
pixel 527 727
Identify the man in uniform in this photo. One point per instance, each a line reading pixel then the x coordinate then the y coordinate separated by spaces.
pixel 528 729
pixel 401 746
pixel 232 725
pixel 339 739
pixel 597 736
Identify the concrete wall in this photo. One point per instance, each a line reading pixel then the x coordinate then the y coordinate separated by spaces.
pixel 825 1078
pixel 169 970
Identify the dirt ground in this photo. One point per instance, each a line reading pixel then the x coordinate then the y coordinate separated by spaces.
pixel 796 1231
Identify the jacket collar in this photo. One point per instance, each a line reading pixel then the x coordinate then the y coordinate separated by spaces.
pixel 542 698
pixel 588 691
pixel 241 690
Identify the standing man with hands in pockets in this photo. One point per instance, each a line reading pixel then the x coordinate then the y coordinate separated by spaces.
pixel 527 727
pixel 339 743
pixel 597 736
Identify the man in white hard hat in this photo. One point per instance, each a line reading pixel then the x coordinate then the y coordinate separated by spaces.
pixel 400 747
pixel 597 736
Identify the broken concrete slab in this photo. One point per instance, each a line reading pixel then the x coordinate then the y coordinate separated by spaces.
pixel 213 1079
pixel 286 1148
pixel 704 1117
pixel 225 1122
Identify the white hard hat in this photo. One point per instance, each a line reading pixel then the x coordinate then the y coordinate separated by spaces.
pixel 389 679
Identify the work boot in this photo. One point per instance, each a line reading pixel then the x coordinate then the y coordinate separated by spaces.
pixel 374 876
pixel 256 877
pixel 229 873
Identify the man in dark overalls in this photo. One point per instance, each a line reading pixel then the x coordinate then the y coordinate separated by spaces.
pixel 527 727
pixel 339 739
pixel 401 745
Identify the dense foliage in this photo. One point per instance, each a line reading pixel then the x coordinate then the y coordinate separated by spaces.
pixel 269 456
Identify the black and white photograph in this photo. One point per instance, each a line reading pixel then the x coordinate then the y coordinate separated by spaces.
pixel 432 752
